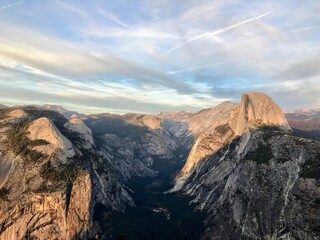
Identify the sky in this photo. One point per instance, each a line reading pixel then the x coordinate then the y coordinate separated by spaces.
pixel 150 56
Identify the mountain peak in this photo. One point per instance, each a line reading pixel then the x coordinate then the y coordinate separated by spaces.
pixel 57 108
pixel 60 109
pixel 148 120
pixel 228 120
pixel 258 109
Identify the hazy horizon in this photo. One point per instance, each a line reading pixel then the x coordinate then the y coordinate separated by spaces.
pixel 100 111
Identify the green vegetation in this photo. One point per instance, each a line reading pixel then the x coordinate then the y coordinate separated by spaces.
pixel 269 131
pixel 263 154
pixel 3 114
pixel 22 145
pixel 311 168
pixel 223 129
pixel 4 192
pixel 65 173
pixel 58 176
pixel 273 128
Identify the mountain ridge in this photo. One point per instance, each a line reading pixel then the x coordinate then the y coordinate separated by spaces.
pixel 221 151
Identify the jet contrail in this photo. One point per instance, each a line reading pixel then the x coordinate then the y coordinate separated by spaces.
pixel 219 31
pixel 194 68
pixel 71 8
pixel 11 5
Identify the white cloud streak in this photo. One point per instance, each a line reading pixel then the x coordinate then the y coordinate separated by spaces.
pixel 10 5
pixel 218 32
pixel 72 8
pixel 194 68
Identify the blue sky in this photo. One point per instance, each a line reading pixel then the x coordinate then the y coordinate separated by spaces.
pixel 151 56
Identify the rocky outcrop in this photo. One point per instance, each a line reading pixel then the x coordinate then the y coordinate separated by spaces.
pixel 227 121
pixel 17 113
pixel 257 109
pixel 58 108
pixel 13 115
pixel 60 178
pixel 150 121
pixel 43 129
pixel 57 215
pixel 212 128
pixel 132 142
pixel 50 182
pixel 75 124
pixel 262 185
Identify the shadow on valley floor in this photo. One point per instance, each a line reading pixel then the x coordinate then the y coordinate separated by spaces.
pixel 158 215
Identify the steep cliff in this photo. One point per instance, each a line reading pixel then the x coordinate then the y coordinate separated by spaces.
pixel 132 142
pixel 50 181
pixel 75 124
pixel 226 122
pixel 262 185
pixel 253 177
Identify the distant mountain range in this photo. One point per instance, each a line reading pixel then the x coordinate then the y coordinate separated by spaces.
pixel 305 122
pixel 234 171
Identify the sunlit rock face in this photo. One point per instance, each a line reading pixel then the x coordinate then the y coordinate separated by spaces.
pixel 253 177
pixel 44 129
pixel 55 215
pixel 150 121
pixel 244 168
pixel 227 122
pixel 258 109
pixel 51 178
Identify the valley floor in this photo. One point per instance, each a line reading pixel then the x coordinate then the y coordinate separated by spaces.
pixel 157 215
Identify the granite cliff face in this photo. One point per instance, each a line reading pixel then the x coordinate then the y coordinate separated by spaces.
pixel 253 177
pixel 51 177
pixel 228 121
pixel 245 169
pixel 262 185
pixel 257 109
pixel 132 142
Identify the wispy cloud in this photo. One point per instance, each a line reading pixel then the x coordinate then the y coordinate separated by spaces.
pixel 114 19
pixel 118 53
pixel 11 5
pixel 194 68
pixel 72 8
pixel 217 32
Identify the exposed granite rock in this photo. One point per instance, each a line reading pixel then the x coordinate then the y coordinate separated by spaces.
pixel 151 121
pixel 44 129
pixel 227 122
pixel 48 215
pixel 132 142
pixel 258 109
pixel 211 126
pixel 75 124
pixel 50 182
pixel 262 185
